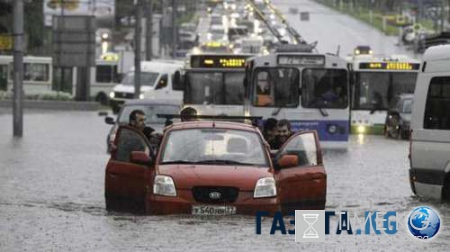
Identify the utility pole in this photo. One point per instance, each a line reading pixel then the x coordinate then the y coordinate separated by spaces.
pixel 137 49
pixel 174 30
pixel 149 30
pixel 18 68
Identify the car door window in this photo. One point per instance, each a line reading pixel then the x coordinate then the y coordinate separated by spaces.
pixel 162 82
pixel 128 141
pixel 302 145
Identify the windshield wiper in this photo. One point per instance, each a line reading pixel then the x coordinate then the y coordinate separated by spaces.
pixel 276 111
pixel 222 161
pixel 323 112
pixel 178 162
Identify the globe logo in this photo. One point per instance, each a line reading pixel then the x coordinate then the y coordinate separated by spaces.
pixel 424 222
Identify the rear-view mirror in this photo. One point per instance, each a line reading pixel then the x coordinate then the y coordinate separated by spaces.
pixel 287 161
pixel 110 120
pixel 140 157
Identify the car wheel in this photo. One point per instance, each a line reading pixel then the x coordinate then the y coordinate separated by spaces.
pixel 115 109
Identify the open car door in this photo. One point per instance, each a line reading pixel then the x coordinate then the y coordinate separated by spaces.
pixel 300 174
pixel 128 172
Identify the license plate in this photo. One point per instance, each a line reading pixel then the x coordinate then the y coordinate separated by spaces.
pixel 213 210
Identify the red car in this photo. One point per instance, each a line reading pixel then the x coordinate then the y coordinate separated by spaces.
pixel 214 168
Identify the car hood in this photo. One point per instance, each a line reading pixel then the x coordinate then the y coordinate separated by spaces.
pixel 188 176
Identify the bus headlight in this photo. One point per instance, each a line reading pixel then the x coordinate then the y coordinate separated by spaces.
pixel 111 95
pixel 141 96
pixel 361 129
pixel 265 187
pixel 332 129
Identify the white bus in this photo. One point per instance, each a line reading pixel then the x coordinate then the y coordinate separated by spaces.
pixel 213 84
pixel 41 77
pixel 375 83
pixel 307 89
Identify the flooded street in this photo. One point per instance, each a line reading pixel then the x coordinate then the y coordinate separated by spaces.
pixel 51 197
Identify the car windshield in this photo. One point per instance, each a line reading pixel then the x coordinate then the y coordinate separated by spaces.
pixel 276 87
pixel 150 111
pixel 375 90
pixel 214 146
pixel 324 88
pixel 407 106
pixel 147 78
pixel 218 88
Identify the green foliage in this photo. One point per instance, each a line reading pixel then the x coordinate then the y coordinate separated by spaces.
pixel 47 96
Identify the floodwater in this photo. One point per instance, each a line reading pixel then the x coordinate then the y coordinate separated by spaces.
pixel 51 197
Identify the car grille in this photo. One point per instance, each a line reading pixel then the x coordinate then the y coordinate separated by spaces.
pixel 202 194
pixel 123 95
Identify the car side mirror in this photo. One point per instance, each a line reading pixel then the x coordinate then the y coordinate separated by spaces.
pixel 110 120
pixel 102 113
pixel 140 157
pixel 287 161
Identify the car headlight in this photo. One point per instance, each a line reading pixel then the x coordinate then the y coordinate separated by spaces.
pixel 141 96
pixel 265 187
pixel 111 95
pixel 164 185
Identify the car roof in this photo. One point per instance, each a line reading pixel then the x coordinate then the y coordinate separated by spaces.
pixel 212 124
pixel 152 102
pixel 440 52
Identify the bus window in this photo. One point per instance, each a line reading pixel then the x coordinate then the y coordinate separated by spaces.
pixel 104 74
pixel 234 88
pixel 324 88
pixel 371 90
pixel 276 87
pixel 36 72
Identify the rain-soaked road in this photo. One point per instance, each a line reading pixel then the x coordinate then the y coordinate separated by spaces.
pixel 332 29
pixel 51 197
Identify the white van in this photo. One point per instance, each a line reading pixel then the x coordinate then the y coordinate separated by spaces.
pixel 430 139
pixel 156 83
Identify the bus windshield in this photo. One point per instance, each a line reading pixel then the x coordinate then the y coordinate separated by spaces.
pixel 218 88
pixel 324 88
pixel 375 90
pixel 276 87
pixel 147 78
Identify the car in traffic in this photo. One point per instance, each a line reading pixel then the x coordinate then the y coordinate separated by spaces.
pixel 151 108
pixel 156 83
pixel 429 151
pixel 214 168
pixel 398 117
pixel 362 50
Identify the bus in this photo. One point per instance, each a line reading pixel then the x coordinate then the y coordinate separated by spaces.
pixel 41 77
pixel 375 84
pixel 310 90
pixel 213 84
